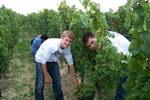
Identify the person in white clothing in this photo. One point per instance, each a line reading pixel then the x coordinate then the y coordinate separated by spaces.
pixel 122 45
pixel 118 41
pixel 46 59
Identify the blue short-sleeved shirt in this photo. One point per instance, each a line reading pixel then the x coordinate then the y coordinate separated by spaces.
pixel 36 44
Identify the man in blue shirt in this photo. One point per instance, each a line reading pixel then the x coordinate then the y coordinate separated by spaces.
pixel 37 43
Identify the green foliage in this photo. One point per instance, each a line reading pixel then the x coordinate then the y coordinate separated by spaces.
pixel 9 29
pixel 138 82
pixel 85 89
pixel 46 21
pixel 110 66
pixel 104 66
pixel 116 21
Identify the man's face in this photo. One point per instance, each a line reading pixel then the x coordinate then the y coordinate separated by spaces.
pixel 91 43
pixel 65 42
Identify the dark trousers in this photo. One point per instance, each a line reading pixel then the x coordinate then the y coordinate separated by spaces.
pixel 120 92
pixel 53 70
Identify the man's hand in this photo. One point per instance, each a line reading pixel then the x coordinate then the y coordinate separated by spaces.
pixel 75 82
pixel 73 74
pixel 48 80
pixel 46 76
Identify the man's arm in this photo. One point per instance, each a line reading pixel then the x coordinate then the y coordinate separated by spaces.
pixel 46 76
pixel 73 74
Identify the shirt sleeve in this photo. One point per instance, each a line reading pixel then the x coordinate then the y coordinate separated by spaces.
pixel 68 56
pixel 35 45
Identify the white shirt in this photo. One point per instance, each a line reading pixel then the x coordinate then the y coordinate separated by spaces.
pixel 50 51
pixel 120 42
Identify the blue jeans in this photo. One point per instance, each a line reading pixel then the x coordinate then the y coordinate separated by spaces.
pixel 120 92
pixel 53 70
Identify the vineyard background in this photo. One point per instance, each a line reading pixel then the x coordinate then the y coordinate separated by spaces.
pixel 17 69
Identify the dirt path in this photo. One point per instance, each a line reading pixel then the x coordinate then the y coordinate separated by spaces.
pixel 20 81
pixel 67 85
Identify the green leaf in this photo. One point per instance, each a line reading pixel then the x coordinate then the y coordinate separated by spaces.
pixel 146 49
pixel 145 36
pixel 145 26
pixel 146 87
pixel 134 32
